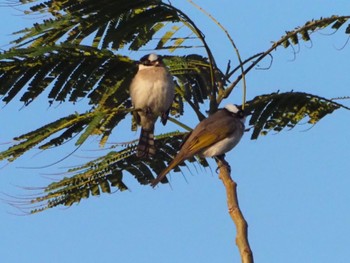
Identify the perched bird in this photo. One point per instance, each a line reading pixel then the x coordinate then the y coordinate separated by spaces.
pixel 213 136
pixel 152 93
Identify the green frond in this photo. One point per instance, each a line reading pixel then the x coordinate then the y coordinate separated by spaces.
pixel 304 32
pixel 73 123
pixel 74 53
pixel 167 36
pixel 145 35
pixel 108 171
pixel 98 122
pixel 71 71
pixel 109 23
pixel 276 111
pixel 91 128
pixel 55 53
pixel 268 112
pixel 290 38
pixel 193 74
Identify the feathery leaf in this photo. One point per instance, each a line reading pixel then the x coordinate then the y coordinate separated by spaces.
pixel 277 111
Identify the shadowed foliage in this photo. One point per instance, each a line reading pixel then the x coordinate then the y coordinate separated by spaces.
pixel 271 112
pixel 78 51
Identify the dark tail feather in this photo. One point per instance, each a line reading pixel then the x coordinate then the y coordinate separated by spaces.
pixel 161 177
pixel 164 117
pixel 146 146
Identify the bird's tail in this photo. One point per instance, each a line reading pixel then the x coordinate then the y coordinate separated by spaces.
pixel 171 165
pixel 146 146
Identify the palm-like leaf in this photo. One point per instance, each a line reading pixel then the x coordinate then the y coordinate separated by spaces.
pixel 77 53
pixel 108 171
pixel 293 37
pixel 75 49
pixel 71 71
pixel 110 23
pixel 267 112
pixel 106 85
pixel 276 111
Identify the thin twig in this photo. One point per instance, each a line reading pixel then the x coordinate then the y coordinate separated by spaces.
pixel 235 212
pixel 307 27
pixel 182 125
pixel 233 45
pixel 193 27
pixel 230 73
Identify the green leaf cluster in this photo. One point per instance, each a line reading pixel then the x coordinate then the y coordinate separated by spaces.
pixel 98 176
pixel 293 37
pixel 71 72
pixel 276 111
pixel 110 24
pixel 77 52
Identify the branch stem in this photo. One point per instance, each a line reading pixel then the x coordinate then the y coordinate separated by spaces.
pixel 235 212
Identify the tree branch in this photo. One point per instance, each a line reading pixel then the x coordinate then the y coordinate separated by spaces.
pixel 310 27
pixel 235 212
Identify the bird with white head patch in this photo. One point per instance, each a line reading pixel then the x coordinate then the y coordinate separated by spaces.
pixel 213 136
pixel 152 93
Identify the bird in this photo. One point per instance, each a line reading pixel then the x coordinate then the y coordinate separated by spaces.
pixel 152 92
pixel 213 136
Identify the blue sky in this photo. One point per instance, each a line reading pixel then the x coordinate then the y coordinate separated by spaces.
pixel 293 187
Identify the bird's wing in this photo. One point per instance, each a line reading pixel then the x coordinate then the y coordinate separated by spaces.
pixel 204 139
pixel 208 132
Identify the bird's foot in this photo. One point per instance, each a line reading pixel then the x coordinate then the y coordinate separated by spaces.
pixel 221 163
